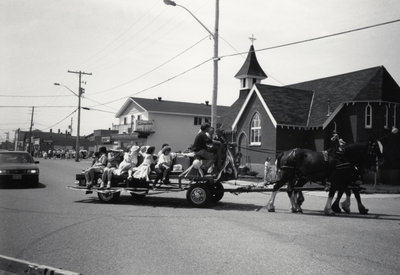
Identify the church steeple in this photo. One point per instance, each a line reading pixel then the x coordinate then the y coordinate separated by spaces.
pixel 251 72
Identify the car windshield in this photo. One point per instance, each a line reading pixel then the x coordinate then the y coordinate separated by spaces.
pixel 15 158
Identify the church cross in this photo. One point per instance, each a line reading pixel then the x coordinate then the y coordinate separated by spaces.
pixel 252 38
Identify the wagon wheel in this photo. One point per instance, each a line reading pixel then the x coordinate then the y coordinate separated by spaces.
pixel 198 195
pixel 217 192
pixel 108 196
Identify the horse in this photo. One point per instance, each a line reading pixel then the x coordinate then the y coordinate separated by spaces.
pixel 298 166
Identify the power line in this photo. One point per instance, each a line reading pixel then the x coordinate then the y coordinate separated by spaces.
pixel 36 106
pixel 60 120
pixel 152 70
pixel 156 85
pixel 315 38
pixel 35 95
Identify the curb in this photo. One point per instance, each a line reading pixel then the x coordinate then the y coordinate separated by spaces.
pixel 18 266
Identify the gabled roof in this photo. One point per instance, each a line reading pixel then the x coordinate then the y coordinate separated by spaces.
pixel 251 67
pixel 306 104
pixel 282 104
pixel 169 107
pixel 354 86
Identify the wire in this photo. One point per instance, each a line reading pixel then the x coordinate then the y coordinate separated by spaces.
pixel 30 106
pixel 92 59
pixel 156 85
pixel 35 95
pixel 315 38
pixel 60 120
pixel 152 70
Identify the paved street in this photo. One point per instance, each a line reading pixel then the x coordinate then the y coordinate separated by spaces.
pixel 62 228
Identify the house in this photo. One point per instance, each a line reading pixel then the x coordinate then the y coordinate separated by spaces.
pixel 267 119
pixel 144 121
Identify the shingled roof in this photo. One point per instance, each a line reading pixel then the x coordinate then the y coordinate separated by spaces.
pixel 354 86
pixel 251 67
pixel 173 107
pixel 306 103
pixel 287 105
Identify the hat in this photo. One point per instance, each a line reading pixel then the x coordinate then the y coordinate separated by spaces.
pixel 134 149
pixel 165 148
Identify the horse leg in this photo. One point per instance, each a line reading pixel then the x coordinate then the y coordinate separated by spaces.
pixel 361 208
pixel 335 205
pixel 346 203
pixel 328 206
pixel 277 186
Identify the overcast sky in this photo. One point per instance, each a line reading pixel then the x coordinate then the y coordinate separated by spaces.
pixel 130 46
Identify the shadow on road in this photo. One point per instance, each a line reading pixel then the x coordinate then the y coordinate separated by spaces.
pixel 370 216
pixel 21 186
pixel 174 203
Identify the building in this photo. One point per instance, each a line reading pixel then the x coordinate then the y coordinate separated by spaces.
pixel 157 121
pixel 45 141
pixel 266 119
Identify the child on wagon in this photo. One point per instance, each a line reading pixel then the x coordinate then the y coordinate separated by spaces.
pixel 143 170
pixel 164 164
pixel 98 166
pixel 130 160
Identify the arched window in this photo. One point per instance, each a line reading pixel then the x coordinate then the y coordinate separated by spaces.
pixel 368 116
pixel 386 117
pixel 255 130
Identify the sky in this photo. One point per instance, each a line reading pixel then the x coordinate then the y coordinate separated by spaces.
pixel 148 49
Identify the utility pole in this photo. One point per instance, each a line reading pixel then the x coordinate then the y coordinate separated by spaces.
pixel 215 77
pixel 70 126
pixel 80 73
pixel 30 132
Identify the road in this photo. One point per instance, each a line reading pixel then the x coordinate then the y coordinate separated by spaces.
pixel 55 226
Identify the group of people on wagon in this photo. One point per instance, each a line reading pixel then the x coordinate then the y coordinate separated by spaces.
pixel 137 162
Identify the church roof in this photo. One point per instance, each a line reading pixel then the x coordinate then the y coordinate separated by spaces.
pixel 251 67
pixel 363 85
pixel 305 104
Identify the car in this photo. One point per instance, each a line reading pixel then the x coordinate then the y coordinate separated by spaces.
pixel 18 167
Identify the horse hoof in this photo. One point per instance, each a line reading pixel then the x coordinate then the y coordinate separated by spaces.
pixel 329 212
pixel 270 208
pixel 293 210
pixel 363 210
pixel 336 208
pixel 300 211
pixel 345 207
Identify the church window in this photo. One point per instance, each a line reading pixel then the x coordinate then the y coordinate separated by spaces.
pixel 255 130
pixel 368 116
pixel 244 83
pixel 386 117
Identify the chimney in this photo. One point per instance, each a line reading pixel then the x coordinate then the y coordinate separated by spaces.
pixel 329 108
pixel 159 98
pixel 58 130
pixel 207 102
pixel 51 130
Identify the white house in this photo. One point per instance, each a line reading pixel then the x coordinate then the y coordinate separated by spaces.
pixel 154 122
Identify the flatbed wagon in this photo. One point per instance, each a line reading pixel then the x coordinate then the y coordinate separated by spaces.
pixel 201 191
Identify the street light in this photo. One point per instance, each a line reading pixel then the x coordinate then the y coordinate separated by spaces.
pixel 79 118
pixel 215 57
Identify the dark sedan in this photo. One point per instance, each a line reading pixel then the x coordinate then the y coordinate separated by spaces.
pixel 18 167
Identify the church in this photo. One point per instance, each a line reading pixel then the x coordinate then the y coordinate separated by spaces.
pixel 266 120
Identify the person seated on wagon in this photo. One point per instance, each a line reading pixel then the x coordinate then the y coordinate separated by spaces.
pixel 144 169
pixel 98 166
pixel 162 147
pixel 164 165
pixel 130 160
pixel 338 143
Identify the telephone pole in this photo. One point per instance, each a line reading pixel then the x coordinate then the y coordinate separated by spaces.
pixel 81 91
pixel 30 132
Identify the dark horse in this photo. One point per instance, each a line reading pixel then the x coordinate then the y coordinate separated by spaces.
pixel 299 166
